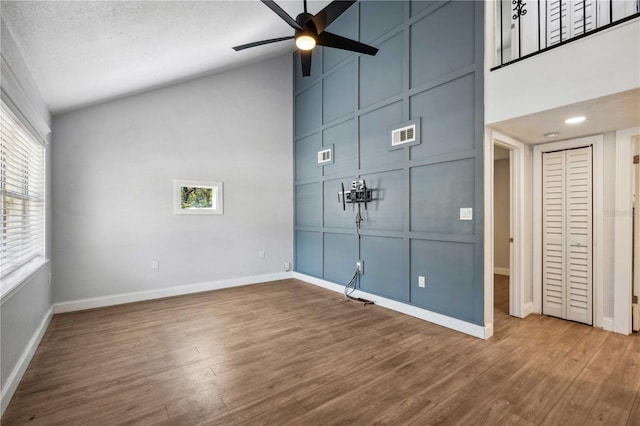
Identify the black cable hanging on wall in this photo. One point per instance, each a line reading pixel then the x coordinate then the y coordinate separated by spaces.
pixel 358 194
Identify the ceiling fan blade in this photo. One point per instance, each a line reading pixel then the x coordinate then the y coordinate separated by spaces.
pixel 333 40
pixel 326 16
pixel 305 59
pixel 260 43
pixel 281 13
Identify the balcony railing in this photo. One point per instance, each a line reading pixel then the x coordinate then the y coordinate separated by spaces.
pixel 528 27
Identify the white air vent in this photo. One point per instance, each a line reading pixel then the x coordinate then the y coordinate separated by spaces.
pixel 324 156
pixel 403 135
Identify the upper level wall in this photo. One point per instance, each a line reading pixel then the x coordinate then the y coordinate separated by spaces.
pixel 602 64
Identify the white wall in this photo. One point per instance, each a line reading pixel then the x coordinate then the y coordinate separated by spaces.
pixel 113 168
pixel 501 214
pixel 598 65
pixel 25 311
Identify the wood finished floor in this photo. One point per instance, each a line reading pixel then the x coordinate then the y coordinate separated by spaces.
pixel 291 353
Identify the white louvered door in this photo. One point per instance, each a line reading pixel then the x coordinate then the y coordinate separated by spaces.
pixel 576 17
pixel 567 234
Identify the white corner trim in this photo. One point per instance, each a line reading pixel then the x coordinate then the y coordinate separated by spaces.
pixel 482 332
pixel 137 296
pixel 488 280
pixel 500 271
pixel 607 323
pixel 21 366
pixel 488 331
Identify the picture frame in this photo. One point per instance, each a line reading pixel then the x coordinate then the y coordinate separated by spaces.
pixel 197 197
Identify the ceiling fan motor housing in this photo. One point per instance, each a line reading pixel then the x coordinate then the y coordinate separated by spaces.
pixel 308 28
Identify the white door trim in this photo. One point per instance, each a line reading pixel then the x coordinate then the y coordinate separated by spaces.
pixel 517 249
pixel 488 228
pixel 623 230
pixel 598 220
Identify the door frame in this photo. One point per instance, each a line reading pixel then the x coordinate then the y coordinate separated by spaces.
pixel 623 230
pixel 518 250
pixel 598 223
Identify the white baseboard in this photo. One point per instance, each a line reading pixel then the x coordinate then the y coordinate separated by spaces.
pixel 488 331
pixel 501 271
pixel 483 332
pixel 21 366
pixel 119 299
pixel 528 309
pixel 607 323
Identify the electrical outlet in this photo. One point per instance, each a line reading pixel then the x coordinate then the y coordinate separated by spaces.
pixel 261 254
pixel 360 266
pixel 287 266
pixel 421 282
pixel 155 265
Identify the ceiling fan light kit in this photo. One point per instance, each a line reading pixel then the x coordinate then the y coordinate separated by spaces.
pixel 305 42
pixel 310 32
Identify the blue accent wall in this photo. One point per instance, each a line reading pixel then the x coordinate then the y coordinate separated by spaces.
pixel 429 67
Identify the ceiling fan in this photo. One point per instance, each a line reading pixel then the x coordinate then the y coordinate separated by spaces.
pixel 309 32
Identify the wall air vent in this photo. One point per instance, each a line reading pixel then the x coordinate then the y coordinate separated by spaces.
pixel 325 156
pixel 405 134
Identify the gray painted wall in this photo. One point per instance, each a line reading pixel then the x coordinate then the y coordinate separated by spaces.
pixel 430 66
pixel 22 312
pixel 113 168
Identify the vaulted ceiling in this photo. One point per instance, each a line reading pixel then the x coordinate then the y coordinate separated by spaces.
pixel 84 52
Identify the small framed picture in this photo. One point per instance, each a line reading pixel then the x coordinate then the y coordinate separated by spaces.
pixel 197 197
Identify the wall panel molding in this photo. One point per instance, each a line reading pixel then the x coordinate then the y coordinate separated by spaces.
pixel 419 189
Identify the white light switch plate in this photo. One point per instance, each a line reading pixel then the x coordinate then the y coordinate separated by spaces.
pixel 466 213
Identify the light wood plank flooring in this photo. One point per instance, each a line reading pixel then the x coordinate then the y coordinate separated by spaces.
pixel 291 353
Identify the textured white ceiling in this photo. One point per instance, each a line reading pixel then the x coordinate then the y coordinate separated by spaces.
pixel 85 52
pixel 613 112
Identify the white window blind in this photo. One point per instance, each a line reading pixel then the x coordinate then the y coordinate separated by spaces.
pixel 22 188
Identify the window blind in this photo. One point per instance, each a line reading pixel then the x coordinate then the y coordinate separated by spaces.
pixel 22 188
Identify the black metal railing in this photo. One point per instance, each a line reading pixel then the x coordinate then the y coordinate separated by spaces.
pixel 525 28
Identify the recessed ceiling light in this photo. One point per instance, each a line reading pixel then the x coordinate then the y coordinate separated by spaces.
pixel 551 135
pixel 575 120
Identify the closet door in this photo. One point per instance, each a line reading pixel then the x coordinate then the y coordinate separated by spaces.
pixel 567 234
pixel 579 235
pixel 553 231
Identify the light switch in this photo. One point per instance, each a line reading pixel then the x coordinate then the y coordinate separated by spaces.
pixel 466 213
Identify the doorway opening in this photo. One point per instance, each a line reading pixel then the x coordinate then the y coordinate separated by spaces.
pixel 501 231
pixel 511 286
